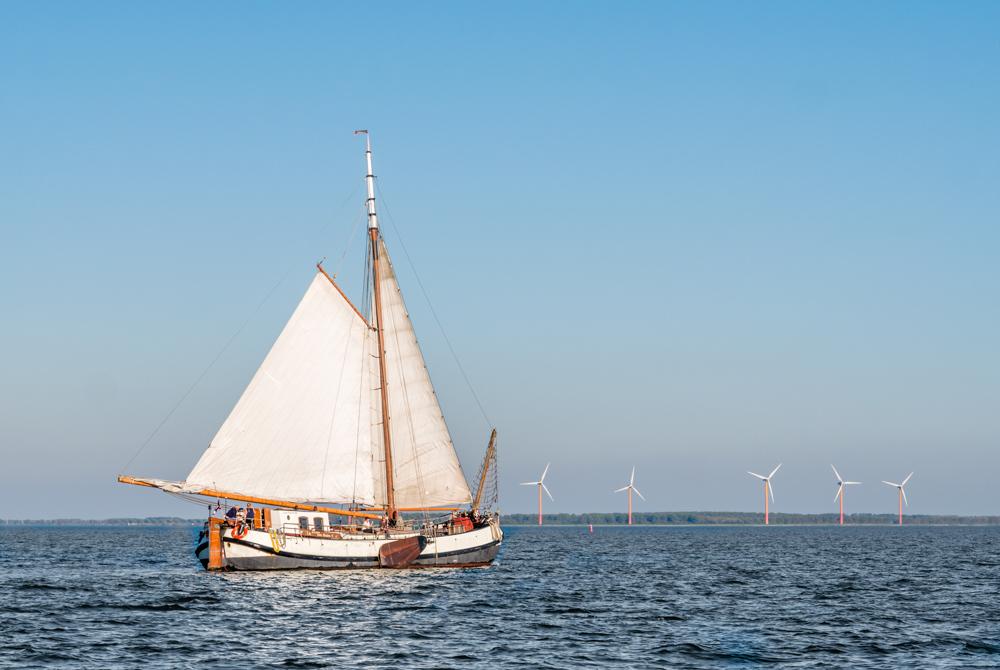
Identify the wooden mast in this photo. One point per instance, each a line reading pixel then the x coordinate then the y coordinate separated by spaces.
pixel 486 468
pixel 373 236
pixel 390 493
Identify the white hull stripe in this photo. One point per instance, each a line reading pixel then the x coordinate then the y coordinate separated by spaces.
pixel 374 557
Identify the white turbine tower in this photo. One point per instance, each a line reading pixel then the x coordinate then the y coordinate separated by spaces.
pixel 841 483
pixel 630 487
pixel 902 495
pixel 768 490
pixel 541 485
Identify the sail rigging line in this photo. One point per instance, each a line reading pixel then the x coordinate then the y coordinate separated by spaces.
pixel 366 289
pixel 367 308
pixel 225 348
pixel 350 240
pixel 186 497
pixel 333 414
pixel 322 229
pixel 319 266
pixel 420 283
pixel 406 396
pixel 357 435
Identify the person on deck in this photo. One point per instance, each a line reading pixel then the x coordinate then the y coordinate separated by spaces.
pixel 241 516
pixel 251 516
pixel 231 516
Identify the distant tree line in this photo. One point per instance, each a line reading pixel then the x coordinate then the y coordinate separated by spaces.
pixel 741 518
pixel 602 519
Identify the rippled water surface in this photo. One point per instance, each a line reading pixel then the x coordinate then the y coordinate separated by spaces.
pixel 698 597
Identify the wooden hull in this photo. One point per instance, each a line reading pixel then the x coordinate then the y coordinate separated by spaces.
pixel 262 550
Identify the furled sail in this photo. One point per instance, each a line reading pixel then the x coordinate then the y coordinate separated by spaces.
pixel 302 429
pixel 426 469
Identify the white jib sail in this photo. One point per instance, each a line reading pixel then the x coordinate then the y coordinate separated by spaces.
pixel 301 431
pixel 426 469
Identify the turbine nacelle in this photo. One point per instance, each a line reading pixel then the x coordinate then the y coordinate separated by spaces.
pixel 767 480
pixel 630 485
pixel 901 488
pixel 841 483
pixel 541 482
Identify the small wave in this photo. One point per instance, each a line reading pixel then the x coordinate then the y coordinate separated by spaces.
pixel 303 663
pixel 45 586
pixel 981 646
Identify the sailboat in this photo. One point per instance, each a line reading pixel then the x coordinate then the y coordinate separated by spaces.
pixel 338 446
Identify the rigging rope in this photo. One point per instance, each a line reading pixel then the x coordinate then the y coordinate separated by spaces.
pixel 322 230
pixel 403 386
pixel 365 375
pixel 205 372
pixel 465 376
pixel 350 241
pixel 336 401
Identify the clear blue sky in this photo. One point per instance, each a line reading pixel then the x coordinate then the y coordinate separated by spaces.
pixel 699 238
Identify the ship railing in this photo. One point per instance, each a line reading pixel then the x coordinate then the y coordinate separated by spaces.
pixel 440 525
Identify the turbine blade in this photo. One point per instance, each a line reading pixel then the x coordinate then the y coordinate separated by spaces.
pixel 631 480
pixel 773 471
pixel 840 489
pixel 547 492
pixel 637 492
pixel 903 491
pixel 529 483
pixel 770 489
pixel 544 472
pixel 852 482
pixel 891 484
pixel 839 478
pixel 907 479
pixel 756 475
pixel 624 488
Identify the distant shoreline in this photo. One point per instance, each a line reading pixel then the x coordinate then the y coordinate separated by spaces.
pixel 608 519
pixel 747 519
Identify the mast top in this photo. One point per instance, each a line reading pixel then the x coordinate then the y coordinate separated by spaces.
pixel 369 181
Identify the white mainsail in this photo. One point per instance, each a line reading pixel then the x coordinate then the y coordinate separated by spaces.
pixel 426 470
pixel 308 428
pixel 301 431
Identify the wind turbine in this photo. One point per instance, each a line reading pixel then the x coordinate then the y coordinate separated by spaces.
pixel 541 485
pixel 631 487
pixel 902 495
pixel 767 489
pixel 840 492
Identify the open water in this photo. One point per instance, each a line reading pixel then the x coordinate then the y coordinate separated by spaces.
pixel 693 597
